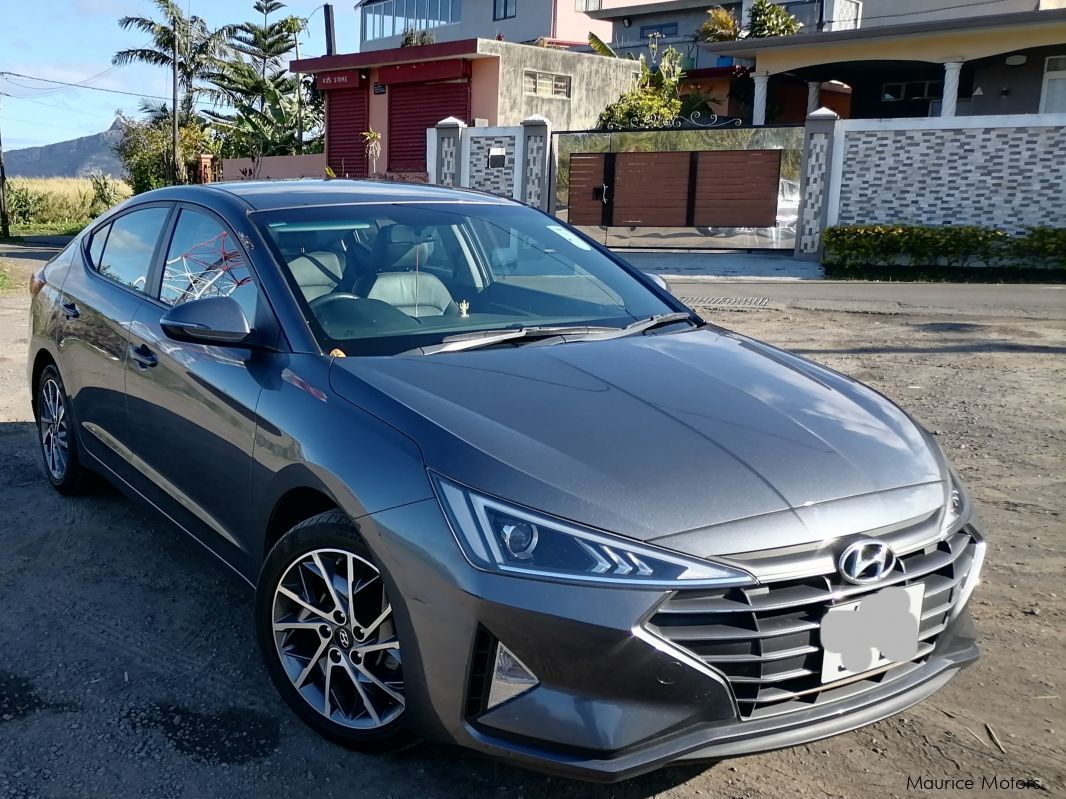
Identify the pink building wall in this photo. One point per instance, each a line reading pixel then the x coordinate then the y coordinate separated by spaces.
pixel 485 89
pixel 277 167
pixel 572 25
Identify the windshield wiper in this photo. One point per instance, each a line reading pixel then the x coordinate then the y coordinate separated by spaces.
pixel 659 320
pixel 545 333
pixel 486 338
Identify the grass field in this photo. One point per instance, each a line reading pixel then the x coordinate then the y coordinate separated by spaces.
pixel 59 205
pixel 6 282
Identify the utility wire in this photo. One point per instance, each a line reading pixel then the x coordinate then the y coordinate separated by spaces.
pixel 35 101
pixel 78 86
pixel 8 77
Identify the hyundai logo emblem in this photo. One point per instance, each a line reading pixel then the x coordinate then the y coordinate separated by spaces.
pixel 344 638
pixel 866 562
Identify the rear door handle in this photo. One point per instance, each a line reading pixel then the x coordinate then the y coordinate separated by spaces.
pixel 144 357
pixel 70 310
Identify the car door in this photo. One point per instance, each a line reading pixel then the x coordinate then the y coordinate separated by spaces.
pixel 192 407
pixel 102 292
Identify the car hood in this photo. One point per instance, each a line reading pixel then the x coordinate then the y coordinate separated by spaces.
pixel 651 436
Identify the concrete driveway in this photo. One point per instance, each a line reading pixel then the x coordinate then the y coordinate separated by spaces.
pixel 129 665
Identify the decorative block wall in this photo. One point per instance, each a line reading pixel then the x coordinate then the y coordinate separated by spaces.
pixel 815 187
pixel 536 168
pixel 1006 177
pixel 498 180
pixel 449 160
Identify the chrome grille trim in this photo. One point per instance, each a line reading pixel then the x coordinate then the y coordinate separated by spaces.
pixel 766 639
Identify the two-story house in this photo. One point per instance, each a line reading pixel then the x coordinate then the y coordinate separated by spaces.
pixel 866 58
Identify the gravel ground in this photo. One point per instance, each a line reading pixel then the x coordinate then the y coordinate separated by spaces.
pixel 129 666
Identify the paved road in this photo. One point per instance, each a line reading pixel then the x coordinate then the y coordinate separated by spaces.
pixel 971 299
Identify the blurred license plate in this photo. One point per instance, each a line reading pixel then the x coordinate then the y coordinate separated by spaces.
pixel 887 620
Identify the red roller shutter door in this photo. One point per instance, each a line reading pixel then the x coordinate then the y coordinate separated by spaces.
pixel 413 107
pixel 346 119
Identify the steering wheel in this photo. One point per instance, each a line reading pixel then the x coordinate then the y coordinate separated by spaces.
pixel 327 300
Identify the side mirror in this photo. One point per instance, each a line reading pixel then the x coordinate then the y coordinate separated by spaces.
pixel 212 320
pixel 658 281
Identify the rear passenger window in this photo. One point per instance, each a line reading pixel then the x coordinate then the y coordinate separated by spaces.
pixel 203 260
pixel 96 246
pixel 127 253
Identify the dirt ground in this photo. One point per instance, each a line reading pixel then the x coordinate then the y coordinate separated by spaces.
pixel 128 665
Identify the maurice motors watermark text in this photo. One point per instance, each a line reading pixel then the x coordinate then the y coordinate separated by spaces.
pixel 985 783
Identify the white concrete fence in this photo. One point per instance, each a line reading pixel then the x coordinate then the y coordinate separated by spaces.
pixel 992 171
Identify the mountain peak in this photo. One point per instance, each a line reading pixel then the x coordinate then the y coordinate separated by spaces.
pixel 69 159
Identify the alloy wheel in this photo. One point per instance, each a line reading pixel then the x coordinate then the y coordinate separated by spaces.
pixel 333 631
pixel 55 432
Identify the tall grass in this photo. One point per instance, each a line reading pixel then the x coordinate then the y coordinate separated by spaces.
pixel 60 201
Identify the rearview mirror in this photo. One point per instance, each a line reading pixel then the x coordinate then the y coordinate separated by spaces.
pixel 211 320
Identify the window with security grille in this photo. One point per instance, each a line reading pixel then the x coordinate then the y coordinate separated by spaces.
pixel 546 84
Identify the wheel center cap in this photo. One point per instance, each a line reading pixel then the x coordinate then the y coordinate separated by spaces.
pixel 344 638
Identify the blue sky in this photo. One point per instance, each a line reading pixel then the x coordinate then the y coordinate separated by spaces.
pixel 71 40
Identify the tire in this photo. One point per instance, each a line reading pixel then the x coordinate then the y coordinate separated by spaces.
pixel 302 640
pixel 56 435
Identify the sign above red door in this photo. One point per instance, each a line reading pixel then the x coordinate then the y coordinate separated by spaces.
pixel 338 79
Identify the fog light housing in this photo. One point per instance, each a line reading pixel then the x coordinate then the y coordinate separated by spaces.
pixel 510 677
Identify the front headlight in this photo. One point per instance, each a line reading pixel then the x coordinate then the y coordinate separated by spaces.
pixel 499 537
pixel 957 506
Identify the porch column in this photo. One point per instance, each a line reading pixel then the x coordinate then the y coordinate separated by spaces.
pixel 951 88
pixel 814 95
pixel 758 109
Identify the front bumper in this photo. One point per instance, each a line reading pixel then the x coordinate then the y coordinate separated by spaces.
pixel 615 699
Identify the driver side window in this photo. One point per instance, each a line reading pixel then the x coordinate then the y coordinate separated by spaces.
pixel 126 254
pixel 204 260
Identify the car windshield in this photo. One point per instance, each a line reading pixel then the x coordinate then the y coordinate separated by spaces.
pixel 390 278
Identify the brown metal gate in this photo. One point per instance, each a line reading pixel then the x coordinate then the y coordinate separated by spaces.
pixel 712 188
pixel 586 206
pixel 736 188
pixel 651 189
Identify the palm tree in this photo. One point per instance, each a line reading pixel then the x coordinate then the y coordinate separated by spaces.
pixel 196 46
pixel 721 26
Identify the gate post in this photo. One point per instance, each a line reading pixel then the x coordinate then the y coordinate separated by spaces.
pixel 443 143
pixel 814 183
pixel 535 146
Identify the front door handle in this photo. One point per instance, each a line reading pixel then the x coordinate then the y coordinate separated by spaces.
pixel 144 357
pixel 70 310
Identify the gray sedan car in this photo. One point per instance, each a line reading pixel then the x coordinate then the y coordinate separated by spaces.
pixel 495 487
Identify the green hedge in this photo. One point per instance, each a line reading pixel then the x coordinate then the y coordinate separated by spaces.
pixel 953 248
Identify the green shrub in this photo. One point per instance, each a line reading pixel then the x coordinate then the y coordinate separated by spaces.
pixel 23 203
pixel 106 192
pixel 1046 245
pixel 953 247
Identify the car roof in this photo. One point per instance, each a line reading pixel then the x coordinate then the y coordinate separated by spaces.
pixel 265 195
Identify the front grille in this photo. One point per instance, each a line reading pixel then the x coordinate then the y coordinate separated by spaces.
pixel 767 639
